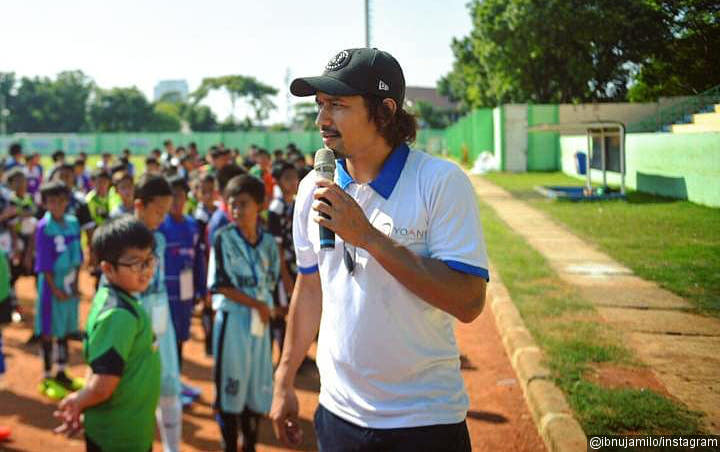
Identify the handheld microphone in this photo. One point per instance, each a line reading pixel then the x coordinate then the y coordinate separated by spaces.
pixel 325 169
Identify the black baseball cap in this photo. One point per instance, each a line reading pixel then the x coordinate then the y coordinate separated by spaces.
pixel 356 71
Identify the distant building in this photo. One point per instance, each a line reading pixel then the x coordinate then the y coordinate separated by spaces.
pixel 429 95
pixel 164 87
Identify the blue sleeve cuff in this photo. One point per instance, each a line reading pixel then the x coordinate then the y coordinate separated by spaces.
pixel 308 270
pixel 469 269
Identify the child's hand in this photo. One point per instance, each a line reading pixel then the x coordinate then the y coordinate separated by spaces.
pixel 61 295
pixel 264 312
pixel 69 412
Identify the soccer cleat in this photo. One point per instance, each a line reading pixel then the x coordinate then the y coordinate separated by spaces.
pixel 52 389
pixel 69 383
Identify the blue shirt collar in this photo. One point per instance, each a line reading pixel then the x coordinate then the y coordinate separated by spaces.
pixel 385 182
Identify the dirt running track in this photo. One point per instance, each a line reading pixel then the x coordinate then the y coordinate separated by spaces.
pixel 498 419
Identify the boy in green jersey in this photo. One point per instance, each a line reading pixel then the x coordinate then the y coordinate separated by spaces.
pixel 123 382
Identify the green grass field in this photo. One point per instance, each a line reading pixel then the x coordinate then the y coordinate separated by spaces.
pixel 675 243
pixel 574 338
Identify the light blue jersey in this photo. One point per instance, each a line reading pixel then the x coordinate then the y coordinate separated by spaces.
pixel 243 361
pixel 155 302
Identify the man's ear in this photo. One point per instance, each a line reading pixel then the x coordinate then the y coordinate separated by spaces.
pixel 390 104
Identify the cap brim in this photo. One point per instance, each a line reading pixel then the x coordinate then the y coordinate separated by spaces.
pixel 308 86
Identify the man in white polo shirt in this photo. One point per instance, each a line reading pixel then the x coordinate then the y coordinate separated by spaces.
pixel 409 258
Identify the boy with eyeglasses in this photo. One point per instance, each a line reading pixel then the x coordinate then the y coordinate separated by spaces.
pixel 123 381
pixel 244 269
pixel 58 261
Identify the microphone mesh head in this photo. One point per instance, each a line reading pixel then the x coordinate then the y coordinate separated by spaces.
pixel 325 163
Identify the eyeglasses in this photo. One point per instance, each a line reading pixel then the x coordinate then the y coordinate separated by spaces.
pixel 348 260
pixel 139 266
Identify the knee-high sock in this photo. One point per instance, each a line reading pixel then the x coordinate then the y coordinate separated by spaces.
pixel 169 421
pixel 47 349
pixel 62 356
pixel 228 423
pixel 249 421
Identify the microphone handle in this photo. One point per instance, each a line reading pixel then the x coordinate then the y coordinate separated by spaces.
pixel 327 236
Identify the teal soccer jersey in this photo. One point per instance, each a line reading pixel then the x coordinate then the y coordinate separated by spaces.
pixel 120 343
pixel 243 365
pixel 58 251
pixel 155 302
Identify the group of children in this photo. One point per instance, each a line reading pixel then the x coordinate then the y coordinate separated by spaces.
pixel 189 235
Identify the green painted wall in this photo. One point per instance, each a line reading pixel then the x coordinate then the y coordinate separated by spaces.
pixel 475 131
pixel 683 166
pixel 543 151
pixel 143 143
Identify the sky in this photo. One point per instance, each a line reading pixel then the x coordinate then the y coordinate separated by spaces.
pixel 142 42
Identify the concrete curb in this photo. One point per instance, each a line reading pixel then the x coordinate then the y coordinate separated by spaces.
pixel 550 411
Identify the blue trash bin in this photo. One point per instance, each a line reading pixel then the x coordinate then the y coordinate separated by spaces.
pixel 581 163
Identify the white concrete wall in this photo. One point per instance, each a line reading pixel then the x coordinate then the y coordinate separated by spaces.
pixel 614 111
pixel 516 137
pixel 497 135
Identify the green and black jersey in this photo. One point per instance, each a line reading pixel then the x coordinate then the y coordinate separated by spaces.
pixel 120 342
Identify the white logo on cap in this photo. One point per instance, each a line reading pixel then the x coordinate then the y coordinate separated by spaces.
pixel 382 86
pixel 338 61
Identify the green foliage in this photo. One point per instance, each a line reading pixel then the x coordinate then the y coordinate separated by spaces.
pixel 200 118
pixel 255 93
pixel 558 51
pixel 40 104
pixel 304 114
pixel 433 117
pixel 120 109
pixel 687 62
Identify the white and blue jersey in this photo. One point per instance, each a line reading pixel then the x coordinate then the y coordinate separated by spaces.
pixel 155 302
pixel 243 358
pixel 184 270
pixel 387 358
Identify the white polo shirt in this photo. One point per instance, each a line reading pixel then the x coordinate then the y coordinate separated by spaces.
pixel 388 359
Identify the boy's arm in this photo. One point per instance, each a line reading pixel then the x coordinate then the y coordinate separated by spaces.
pixel 56 291
pixel 239 297
pixel 99 388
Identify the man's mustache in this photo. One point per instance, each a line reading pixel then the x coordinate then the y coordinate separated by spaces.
pixel 329 131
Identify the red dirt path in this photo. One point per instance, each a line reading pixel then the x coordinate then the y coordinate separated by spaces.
pixel 498 419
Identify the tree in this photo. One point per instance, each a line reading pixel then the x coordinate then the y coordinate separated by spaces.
pixel 200 118
pixel 120 110
pixel 40 104
pixel 552 51
pixel 255 93
pixel 304 114
pixel 72 92
pixel 687 60
pixel 433 117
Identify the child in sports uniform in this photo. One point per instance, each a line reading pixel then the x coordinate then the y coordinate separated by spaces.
pixel 244 269
pixel 153 197
pixel 280 216
pixel 58 259
pixel 98 200
pixel 24 224
pixel 123 382
pixel 207 204
pixel 125 188
pixel 184 269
